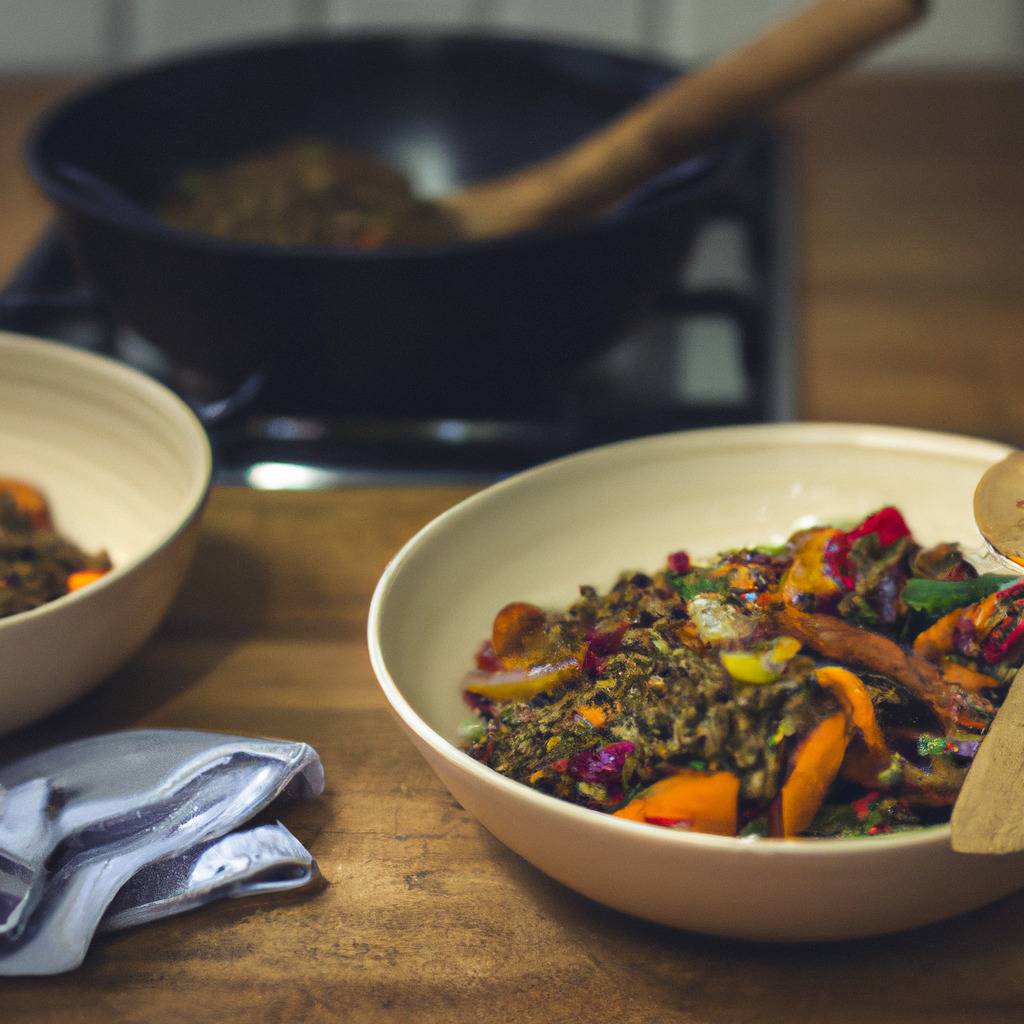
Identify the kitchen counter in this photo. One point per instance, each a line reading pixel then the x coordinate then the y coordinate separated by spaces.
pixel 427 918
pixel 909 215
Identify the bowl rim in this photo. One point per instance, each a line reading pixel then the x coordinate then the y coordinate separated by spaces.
pixel 876 437
pixel 153 391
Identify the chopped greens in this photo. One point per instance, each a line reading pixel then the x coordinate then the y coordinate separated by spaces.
pixel 939 597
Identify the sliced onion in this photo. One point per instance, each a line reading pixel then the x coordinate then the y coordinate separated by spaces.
pixel 521 683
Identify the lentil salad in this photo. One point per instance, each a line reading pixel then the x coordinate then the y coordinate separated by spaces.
pixel 836 685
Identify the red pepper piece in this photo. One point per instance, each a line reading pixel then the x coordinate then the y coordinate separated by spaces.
pixel 995 652
pixel 487 659
pixel 862 807
pixel 1003 641
pixel 886 523
pixel 601 643
pixel 607 641
pixel 837 560
pixel 679 561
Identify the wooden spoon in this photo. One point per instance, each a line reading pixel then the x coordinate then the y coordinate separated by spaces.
pixel 988 816
pixel 676 121
pixel 999 508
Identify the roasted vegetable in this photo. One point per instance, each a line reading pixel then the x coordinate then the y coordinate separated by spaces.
pixel 37 565
pixel 815 766
pixel 769 692
pixel 689 800
pixel 30 502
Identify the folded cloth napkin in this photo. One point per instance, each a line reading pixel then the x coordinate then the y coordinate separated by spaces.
pixel 121 829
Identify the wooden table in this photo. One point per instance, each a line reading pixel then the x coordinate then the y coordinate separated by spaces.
pixel 427 918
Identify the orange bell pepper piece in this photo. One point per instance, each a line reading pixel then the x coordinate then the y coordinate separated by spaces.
pixel 517 634
pixel 30 501
pixel 817 763
pixel 83 578
pixel 696 801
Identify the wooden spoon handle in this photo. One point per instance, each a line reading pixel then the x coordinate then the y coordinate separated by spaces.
pixel 988 816
pixel 674 122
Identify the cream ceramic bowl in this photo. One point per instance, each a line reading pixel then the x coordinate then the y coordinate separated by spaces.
pixel 582 519
pixel 126 467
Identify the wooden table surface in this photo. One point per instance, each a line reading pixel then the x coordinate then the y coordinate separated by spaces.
pixel 910 303
pixel 427 918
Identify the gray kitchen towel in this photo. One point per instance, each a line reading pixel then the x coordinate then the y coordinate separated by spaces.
pixel 143 824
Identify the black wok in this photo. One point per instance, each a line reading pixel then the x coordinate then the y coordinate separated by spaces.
pixel 468 328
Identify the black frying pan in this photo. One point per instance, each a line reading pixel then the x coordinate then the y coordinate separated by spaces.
pixel 469 328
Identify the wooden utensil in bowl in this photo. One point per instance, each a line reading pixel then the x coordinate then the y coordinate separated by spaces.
pixel 988 816
pixel 678 119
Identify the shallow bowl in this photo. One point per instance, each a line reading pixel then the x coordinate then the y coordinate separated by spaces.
pixel 126 468
pixel 537 536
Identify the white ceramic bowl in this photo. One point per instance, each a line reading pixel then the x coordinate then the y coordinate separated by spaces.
pixel 537 536
pixel 126 467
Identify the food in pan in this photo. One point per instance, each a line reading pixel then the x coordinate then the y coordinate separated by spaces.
pixel 836 685
pixel 306 192
pixel 37 564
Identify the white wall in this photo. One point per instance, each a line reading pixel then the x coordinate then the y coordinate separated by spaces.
pixel 59 34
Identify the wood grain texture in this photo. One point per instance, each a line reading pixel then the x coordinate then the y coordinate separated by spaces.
pixel 24 211
pixel 910 282
pixel 427 918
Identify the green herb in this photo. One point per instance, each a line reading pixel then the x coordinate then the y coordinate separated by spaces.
pixel 694 583
pixel 471 730
pixel 758 827
pixel 937 597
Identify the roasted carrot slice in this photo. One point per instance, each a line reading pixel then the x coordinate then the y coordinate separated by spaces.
pixel 634 810
pixel 937 640
pixel 692 800
pixel 817 763
pixel 855 700
pixel 806 575
pixel 517 634
pixel 31 501
pixel 84 577
pixel 834 638
pixel 869 753
pixel 969 678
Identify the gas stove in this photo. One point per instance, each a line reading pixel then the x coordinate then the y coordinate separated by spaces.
pixel 718 351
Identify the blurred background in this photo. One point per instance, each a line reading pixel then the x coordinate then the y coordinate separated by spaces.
pixel 62 34
pixel 876 275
